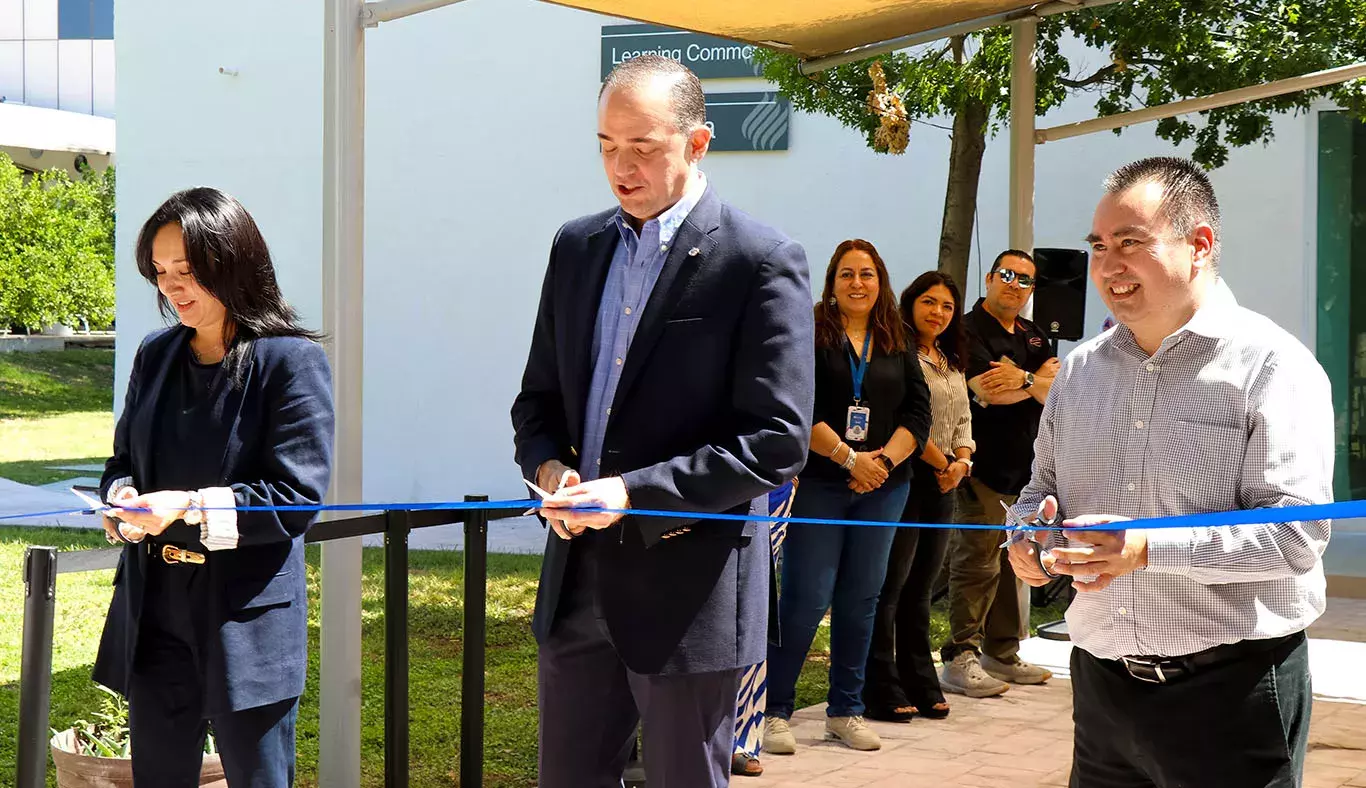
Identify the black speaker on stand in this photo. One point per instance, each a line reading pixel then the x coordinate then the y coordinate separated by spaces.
pixel 1060 310
pixel 1060 293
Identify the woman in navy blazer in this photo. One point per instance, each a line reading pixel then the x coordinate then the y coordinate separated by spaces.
pixel 231 408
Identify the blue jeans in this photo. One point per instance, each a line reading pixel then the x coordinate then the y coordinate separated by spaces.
pixel 840 568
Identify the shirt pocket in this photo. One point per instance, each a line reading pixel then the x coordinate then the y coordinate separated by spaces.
pixel 1202 465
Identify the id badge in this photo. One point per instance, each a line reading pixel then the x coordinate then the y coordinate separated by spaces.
pixel 856 426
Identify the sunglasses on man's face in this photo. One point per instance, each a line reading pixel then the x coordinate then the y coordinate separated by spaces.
pixel 1009 277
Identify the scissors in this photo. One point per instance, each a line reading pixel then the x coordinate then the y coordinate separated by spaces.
pixel 99 508
pixel 544 495
pixel 95 506
pixel 1019 532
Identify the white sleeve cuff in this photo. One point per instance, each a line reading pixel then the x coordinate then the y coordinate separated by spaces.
pixel 116 486
pixel 218 531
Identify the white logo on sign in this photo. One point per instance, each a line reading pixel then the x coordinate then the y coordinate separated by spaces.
pixel 765 124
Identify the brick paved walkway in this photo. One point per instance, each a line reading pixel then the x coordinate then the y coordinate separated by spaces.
pixel 1024 738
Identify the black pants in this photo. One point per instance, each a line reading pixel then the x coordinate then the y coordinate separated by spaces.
pixel 166 716
pixel 590 703
pixel 900 666
pixel 1242 724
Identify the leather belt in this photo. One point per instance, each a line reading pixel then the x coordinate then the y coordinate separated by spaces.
pixel 1167 670
pixel 172 554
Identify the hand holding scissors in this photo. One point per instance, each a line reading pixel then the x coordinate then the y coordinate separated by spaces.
pixel 1026 544
pixel 115 530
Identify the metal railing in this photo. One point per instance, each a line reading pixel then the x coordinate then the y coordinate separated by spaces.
pixel 42 565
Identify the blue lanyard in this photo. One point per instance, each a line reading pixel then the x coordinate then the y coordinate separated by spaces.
pixel 859 370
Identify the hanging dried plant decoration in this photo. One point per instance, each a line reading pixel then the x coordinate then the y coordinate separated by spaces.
pixel 894 128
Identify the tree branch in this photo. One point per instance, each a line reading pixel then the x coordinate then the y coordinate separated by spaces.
pixel 1099 76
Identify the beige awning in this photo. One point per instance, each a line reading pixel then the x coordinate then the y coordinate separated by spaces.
pixel 808 28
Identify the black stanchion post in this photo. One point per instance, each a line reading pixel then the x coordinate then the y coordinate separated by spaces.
pixel 396 530
pixel 472 672
pixel 35 667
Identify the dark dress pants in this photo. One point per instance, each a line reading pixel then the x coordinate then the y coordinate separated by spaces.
pixel 901 668
pixel 1241 724
pixel 590 704
pixel 166 715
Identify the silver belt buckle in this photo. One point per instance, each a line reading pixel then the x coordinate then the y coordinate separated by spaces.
pixel 1153 665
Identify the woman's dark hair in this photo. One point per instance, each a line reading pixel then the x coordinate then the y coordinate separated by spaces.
pixel 951 340
pixel 228 257
pixel 884 322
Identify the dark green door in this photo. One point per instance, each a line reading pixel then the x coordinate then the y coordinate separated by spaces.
pixel 1341 332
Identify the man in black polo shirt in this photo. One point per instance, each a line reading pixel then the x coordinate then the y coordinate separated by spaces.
pixel 1010 369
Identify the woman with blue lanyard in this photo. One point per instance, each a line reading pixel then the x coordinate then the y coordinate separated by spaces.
pixel 749 708
pixel 229 408
pixel 872 414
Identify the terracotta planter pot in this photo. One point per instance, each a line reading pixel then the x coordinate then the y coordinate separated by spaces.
pixel 85 771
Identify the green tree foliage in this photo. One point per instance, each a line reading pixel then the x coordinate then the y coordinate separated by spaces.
pixel 1140 53
pixel 56 248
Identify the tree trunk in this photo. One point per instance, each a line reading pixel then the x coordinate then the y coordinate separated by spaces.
pixel 960 200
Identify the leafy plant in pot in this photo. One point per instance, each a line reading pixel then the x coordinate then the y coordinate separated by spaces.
pixel 97 754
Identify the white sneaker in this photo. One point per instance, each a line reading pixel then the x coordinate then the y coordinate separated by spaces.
pixel 778 738
pixel 1017 672
pixel 853 731
pixel 965 676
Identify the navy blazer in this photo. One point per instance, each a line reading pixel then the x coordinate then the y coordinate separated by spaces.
pixel 713 411
pixel 275 433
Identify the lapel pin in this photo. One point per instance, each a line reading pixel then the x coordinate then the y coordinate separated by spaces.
pixel 693 252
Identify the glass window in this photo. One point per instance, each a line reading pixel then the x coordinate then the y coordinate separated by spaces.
pixel 85 19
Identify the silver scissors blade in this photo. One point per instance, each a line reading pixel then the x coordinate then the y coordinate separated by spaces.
pixel 1016 532
pixel 95 505
pixel 544 495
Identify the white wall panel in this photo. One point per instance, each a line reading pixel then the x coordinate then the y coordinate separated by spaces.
pixel 12 70
pixel 11 21
pixel 102 89
pixel 73 75
pixel 40 74
pixel 40 20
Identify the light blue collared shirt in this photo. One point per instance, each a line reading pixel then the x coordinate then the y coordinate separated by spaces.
pixel 636 265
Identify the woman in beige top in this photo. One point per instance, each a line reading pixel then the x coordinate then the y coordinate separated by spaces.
pixel 901 679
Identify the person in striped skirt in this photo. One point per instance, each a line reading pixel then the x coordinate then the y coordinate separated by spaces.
pixel 749 710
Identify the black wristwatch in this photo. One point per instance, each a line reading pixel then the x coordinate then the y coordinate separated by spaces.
pixel 1029 381
pixel 886 462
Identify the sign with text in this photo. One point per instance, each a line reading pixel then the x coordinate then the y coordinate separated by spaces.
pixel 748 121
pixel 709 57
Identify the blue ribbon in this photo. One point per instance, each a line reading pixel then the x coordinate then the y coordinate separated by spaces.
pixel 1266 516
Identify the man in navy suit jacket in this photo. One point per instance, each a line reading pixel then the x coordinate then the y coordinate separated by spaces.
pixel 670 368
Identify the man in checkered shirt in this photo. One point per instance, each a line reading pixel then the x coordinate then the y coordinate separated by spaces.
pixel 1191 665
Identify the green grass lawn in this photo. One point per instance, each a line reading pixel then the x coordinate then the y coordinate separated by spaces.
pixel 436 591
pixel 54 409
